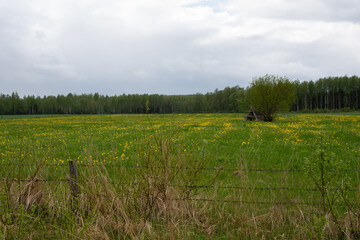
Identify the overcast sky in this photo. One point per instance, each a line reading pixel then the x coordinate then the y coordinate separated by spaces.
pixel 172 46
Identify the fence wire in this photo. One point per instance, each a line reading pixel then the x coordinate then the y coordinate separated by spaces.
pixel 191 187
pixel 178 168
pixel 231 201
pixel 196 186
pixel 259 202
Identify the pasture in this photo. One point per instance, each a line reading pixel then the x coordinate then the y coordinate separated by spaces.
pixel 194 176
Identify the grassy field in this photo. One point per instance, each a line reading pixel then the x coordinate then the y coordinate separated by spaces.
pixel 193 176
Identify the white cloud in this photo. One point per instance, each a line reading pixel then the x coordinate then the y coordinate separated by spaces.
pixel 172 46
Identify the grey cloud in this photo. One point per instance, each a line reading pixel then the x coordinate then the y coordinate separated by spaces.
pixel 171 48
pixel 311 10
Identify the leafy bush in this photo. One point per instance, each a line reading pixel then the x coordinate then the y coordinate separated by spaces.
pixel 270 94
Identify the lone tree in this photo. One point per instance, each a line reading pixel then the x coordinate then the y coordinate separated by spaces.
pixel 270 94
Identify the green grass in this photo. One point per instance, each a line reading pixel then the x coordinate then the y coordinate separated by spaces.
pixel 223 135
pixel 167 143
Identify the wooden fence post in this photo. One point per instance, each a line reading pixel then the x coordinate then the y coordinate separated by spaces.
pixel 74 187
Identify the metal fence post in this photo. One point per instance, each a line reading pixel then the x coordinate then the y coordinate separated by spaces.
pixel 74 187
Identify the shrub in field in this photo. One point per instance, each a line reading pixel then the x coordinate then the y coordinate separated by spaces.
pixel 270 94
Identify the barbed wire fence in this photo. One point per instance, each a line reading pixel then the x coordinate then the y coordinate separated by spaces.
pixel 74 183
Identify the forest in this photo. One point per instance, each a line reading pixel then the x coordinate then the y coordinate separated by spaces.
pixel 325 94
pixel 331 93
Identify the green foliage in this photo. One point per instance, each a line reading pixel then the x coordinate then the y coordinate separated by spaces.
pixel 270 94
pixel 317 227
pixel 325 94
pixel 324 170
pixel 331 93
pixel 147 106
pixel 231 99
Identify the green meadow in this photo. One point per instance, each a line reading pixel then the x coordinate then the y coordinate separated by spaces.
pixel 196 176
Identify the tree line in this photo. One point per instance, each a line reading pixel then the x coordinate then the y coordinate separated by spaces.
pixel 332 93
pixel 230 99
